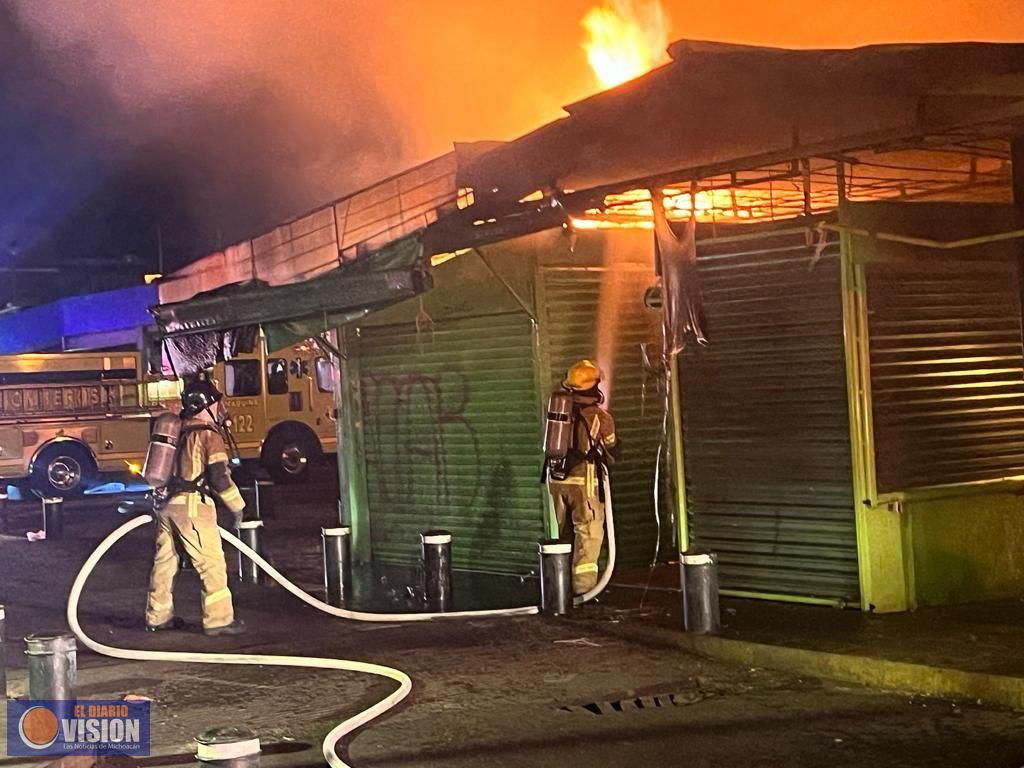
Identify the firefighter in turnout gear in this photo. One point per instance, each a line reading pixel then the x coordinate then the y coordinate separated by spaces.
pixel 575 478
pixel 189 515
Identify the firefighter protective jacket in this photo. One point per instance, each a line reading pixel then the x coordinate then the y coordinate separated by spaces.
pixel 204 456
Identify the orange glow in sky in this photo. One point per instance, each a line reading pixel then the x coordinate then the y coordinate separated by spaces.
pixel 443 71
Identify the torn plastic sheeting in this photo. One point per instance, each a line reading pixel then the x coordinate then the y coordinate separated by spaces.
pixel 682 308
pixel 198 351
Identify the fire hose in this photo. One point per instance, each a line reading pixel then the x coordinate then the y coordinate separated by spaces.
pixel 349 725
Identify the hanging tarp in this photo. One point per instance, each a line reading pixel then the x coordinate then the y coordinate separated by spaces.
pixel 396 273
pixel 683 313
pixel 201 330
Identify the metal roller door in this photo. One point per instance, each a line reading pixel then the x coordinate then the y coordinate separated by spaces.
pixel 767 446
pixel 452 440
pixel 947 360
pixel 574 329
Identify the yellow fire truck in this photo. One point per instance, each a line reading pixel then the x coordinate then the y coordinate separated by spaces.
pixel 282 407
pixel 67 417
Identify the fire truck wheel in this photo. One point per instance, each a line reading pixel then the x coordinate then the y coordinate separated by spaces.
pixel 287 456
pixel 63 469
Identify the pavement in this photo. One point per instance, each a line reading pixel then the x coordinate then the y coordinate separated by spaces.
pixel 615 684
pixel 969 651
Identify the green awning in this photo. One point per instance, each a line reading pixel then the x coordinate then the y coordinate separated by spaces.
pixel 197 328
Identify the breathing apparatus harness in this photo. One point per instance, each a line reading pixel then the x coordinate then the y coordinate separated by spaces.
pixel 169 438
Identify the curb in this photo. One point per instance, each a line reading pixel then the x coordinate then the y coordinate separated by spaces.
pixel 1001 690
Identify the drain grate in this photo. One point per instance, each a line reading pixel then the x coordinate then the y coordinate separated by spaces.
pixel 656 701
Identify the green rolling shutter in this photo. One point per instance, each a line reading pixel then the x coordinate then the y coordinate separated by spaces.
pixel 575 318
pixel 767 446
pixel 452 439
pixel 945 335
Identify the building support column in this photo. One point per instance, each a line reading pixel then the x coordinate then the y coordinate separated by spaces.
pixel 353 510
pixel 884 555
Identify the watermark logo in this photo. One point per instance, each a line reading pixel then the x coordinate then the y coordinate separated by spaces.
pixel 46 728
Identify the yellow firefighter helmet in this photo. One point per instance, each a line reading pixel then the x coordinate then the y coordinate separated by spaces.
pixel 582 375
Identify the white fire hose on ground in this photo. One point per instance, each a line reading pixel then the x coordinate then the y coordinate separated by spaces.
pixel 356 721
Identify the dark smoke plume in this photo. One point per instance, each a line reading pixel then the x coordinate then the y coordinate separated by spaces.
pixel 203 122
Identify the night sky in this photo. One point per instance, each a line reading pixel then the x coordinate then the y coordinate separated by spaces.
pixel 213 121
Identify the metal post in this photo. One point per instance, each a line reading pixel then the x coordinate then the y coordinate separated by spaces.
pixel 3 511
pixel 555 577
pixel 52 666
pixel 264 501
pixel 53 518
pixel 675 408
pixel 249 533
pixel 337 543
pixel 228 748
pixel 3 655
pixel 437 569
pixel 698 576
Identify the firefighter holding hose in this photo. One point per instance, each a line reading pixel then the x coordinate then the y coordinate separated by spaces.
pixel 187 464
pixel 579 445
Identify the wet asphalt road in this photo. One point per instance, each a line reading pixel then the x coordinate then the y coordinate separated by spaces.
pixel 503 692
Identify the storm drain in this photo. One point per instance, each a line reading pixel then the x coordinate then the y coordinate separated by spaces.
pixel 657 701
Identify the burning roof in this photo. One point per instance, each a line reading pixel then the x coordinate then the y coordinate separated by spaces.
pixel 719 107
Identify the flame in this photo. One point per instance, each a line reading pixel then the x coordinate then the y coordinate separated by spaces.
pixel 133 467
pixel 625 39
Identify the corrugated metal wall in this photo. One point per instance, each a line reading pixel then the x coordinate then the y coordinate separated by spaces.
pixel 947 370
pixel 575 328
pixel 452 439
pixel 767 444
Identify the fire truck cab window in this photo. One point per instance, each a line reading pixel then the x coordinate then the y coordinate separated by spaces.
pixel 324 375
pixel 242 378
pixel 277 376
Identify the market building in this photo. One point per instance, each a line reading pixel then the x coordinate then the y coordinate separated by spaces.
pixel 851 431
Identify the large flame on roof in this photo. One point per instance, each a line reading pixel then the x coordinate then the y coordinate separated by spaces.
pixel 625 39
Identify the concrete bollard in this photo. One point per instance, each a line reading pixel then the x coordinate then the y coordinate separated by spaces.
pixel 555 577
pixel 228 748
pixel 3 654
pixel 698 576
pixel 53 518
pixel 337 544
pixel 437 569
pixel 52 666
pixel 249 533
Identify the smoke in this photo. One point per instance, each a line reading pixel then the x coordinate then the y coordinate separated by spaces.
pixel 214 121
pixel 209 121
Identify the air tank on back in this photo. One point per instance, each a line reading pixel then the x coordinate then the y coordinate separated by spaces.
pixel 163 444
pixel 558 426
